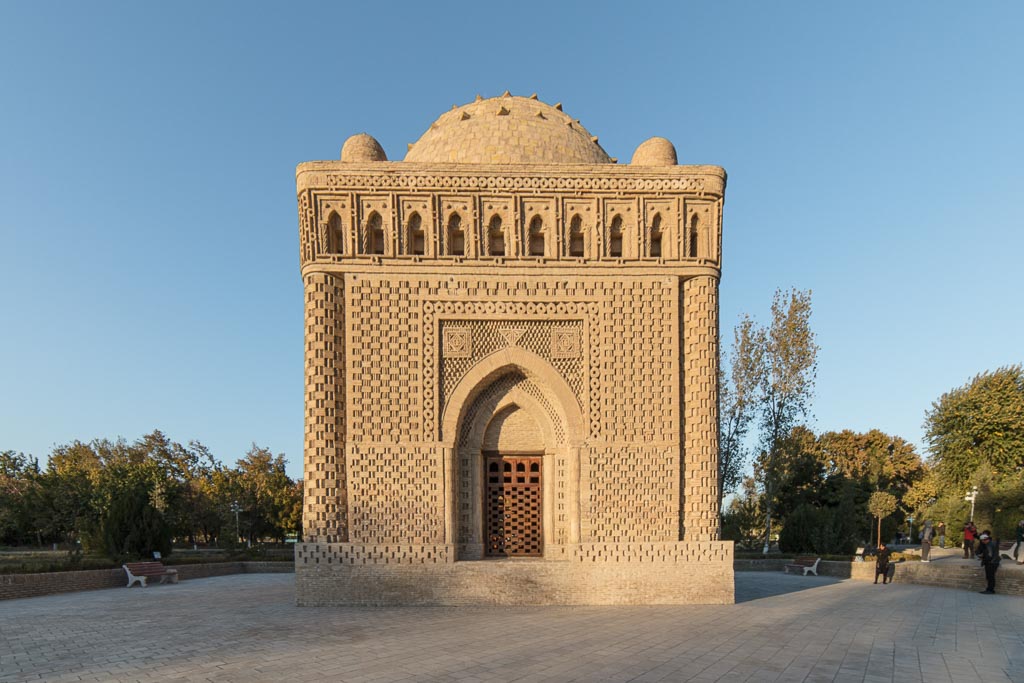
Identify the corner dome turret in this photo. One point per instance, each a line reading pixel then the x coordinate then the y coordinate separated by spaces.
pixel 655 152
pixel 362 147
pixel 507 130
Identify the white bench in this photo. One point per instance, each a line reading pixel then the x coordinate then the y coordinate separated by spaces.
pixel 808 565
pixel 142 571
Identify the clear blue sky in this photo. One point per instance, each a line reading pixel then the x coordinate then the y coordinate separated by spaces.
pixel 149 273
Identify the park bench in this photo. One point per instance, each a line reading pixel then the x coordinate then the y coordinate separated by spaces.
pixel 1005 547
pixel 806 565
pixel 142 571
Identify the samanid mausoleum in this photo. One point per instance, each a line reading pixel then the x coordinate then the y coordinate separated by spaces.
pixel 511 362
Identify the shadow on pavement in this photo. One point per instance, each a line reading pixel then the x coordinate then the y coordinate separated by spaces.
pixel 757 585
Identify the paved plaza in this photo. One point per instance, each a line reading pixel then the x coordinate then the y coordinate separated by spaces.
pixel 247 628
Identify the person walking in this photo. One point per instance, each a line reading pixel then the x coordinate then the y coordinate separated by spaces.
pixel 969 531
pixel 926 541
pixel 1017 554
pixel 941 532
pixel 988 552
pixel 882 563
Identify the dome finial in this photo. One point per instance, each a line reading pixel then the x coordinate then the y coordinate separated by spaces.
pixel 361 148
pixel 655 152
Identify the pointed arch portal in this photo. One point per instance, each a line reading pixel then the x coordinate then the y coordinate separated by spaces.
pixel 514 427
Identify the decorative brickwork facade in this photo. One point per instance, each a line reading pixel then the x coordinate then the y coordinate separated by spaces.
pixel 511 363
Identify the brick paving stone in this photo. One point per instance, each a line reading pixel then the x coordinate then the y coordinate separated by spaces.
pixel 247 628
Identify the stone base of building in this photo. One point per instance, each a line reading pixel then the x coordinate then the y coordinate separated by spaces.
pixel 587 574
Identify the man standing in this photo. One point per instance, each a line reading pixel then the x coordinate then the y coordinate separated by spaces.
pixel 882 563
pixel 969 530
pixel 942 534
pixel 988 551
pixel 926 541
pixel 1017 549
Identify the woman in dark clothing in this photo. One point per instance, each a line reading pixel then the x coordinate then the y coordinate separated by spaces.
pixel 988 553
pixel 882 563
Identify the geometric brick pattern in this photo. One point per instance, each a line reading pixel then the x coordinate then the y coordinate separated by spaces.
pixel 699 311
pixel 488 336
pixel 325 501
pixel 327 555
pixel 382 362
pixel 400 494
pixel 637 362
pixel 632 496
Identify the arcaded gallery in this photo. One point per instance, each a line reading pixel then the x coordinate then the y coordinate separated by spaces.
pixel 511 351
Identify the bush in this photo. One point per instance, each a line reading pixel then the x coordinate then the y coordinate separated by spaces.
pixel 823 531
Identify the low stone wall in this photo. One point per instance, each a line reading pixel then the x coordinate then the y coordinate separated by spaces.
pixel 944 574
pixel 770 565
pixel 14 586
pixel 861 571
pixel 965 576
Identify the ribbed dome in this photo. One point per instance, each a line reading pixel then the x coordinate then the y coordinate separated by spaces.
pixel 507 130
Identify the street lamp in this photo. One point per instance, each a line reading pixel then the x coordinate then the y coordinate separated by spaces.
pixel 971 496
pixel 235 507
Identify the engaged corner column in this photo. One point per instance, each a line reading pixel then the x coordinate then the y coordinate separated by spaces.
pixel 325 513
pixel 699 464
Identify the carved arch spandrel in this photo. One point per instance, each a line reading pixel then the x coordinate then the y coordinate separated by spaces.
pixel 509 360
pixel 482 413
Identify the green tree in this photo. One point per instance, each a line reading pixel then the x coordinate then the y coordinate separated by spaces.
pixel 786 375
pixel 19 482
pixel 878 459
pixel 133 526
pixel 737 387
pixel 743 519
pixel 819 530
pixel 799 476
pixel 979 423
pixel 67 510
pixel 266 494
pixel 881 505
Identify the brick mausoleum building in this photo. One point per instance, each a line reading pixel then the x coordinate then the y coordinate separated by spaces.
pixel 511 361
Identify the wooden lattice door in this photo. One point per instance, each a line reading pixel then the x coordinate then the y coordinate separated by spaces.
pixel 514 512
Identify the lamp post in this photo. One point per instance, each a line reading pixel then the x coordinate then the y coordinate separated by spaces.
pixel 235 507
pixel 878 484
pixel 768 526
pixel 971 496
